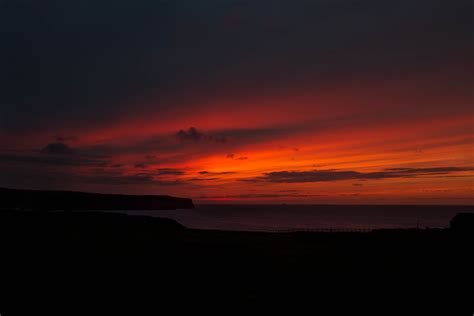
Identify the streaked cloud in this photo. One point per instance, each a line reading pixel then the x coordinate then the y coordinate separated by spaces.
pixel 340 175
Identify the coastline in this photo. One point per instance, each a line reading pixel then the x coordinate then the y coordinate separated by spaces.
pixel 245 268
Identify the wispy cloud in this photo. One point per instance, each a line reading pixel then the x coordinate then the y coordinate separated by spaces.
pixel 339 175
pixel 57 149
pixel 216 173
pixel 259 196
pixel 193 135
pixel 52 160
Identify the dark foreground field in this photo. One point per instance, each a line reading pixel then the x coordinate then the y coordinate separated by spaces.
pixel 68 261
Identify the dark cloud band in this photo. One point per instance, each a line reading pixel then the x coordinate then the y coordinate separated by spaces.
pixel 338 175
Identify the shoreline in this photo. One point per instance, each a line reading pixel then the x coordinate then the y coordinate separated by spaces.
pixel 122 257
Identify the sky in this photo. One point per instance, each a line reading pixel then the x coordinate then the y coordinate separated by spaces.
pixel 232 101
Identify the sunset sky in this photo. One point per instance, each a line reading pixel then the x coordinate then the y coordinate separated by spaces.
pixel 228 101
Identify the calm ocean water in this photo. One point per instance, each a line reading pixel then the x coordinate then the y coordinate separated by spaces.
pixel 307 217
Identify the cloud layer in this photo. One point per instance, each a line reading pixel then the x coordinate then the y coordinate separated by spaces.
pixel 239 99
pixel 339 175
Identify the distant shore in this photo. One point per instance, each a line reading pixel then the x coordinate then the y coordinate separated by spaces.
pixel 69 200
pixel 312 218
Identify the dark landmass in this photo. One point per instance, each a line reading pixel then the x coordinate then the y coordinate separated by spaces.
pixel 463 223
pixel 117 260
pixel 66 200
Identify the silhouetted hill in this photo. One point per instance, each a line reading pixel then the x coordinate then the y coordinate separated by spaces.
pixel 82 259
pixel 66 200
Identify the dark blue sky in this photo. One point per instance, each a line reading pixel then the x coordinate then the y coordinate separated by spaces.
pixel 89 60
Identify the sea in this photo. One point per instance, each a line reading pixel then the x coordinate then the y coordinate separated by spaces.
pixel 287 217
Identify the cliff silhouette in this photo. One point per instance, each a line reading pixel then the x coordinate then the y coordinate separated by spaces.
pixel 67 200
